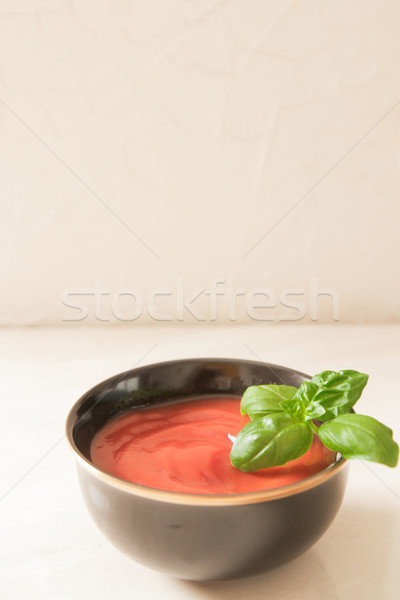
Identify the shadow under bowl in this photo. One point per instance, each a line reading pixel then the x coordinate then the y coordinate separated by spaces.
pixel 198 537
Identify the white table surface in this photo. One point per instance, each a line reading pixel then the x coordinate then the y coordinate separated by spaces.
pixel 50 549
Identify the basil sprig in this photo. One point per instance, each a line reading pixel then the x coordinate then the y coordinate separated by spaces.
pixel 282 423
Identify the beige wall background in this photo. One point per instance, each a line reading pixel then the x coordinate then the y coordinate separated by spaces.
pixel 155 150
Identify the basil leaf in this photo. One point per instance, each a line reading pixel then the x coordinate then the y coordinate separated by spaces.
pixel 316 411
pixel 261 400
pixel 337 394
pixel 322 378
pixel 297 405
pixel 359 436
pixel 270 441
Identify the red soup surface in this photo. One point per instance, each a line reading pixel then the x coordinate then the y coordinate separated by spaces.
pixel 184 447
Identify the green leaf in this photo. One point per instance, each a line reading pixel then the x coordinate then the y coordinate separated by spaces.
pixel 337 394
pixel 261 400
pixel 322 378
pixel 359 436
pixel 316 411
pixel 296 407
pixel 270 441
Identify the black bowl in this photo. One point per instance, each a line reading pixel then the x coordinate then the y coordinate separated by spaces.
pixel 199 537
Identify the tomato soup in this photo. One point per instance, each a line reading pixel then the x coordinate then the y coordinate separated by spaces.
pixel 185 447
